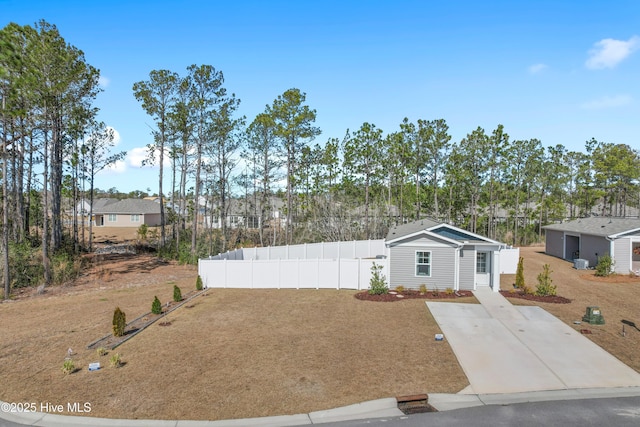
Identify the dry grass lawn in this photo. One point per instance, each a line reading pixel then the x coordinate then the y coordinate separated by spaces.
pixel 229 354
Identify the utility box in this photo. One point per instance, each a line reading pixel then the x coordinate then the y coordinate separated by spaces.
pixel 580 264
pixel 593 316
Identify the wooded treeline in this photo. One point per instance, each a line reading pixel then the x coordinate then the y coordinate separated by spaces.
pixel 342 187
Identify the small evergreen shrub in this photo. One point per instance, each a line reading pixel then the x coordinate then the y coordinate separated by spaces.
pixel 68 367
pixel 101 351
pixel 604 266
pixel 142 231
pixel 423 289
pixel 378 282
pixel 199 283
pixel 119 322
pixel 177 293
pixel 520 274
pixel 449 291
pixel 545 283
pixel 156 307
pixel 400 288
pixel 115 360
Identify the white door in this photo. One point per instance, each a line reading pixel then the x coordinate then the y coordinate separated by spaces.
pixel 483 269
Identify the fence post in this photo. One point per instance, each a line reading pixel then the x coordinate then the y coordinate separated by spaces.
pixel 252 275
pixel 279 274
pixel 339 262
pixel 359 268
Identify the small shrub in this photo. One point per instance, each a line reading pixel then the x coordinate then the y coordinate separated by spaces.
pixel 378 282
pixel 199 283
pixel 604 266
pixel 115 360
pixel 520 274
pixel 177 293
pixel 142 231
pixel 101 351
pixel 423 289
pixel 68 367
pixel 545 283
pixel 119 322
pixel 400 288
pixel 527 290
pixel 156 306
pixel 449 291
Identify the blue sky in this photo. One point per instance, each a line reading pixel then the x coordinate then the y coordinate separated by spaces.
pixel 559 71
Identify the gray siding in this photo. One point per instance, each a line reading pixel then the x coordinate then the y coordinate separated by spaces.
pixel 622 253
pixel 554 243
pixel 592 247
pixel 403 266
pixel 467 269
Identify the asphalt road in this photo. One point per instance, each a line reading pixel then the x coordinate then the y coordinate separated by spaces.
pixel 614 412
pixel 610 412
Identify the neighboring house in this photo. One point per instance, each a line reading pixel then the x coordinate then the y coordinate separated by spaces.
pixel 127 213
pixel 442 256
pixel 84 205
pixel 590 238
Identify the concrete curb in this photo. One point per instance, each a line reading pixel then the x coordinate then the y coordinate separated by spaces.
pixel 381 408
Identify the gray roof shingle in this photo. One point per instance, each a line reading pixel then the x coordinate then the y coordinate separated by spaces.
pixel 129 206
pixel 597 226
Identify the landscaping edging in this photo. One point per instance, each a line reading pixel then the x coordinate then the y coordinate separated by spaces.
pixel 139 324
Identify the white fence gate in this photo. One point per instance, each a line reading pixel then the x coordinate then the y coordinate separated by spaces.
pixel 336 265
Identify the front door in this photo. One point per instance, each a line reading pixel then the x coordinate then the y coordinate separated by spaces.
pixel 483 269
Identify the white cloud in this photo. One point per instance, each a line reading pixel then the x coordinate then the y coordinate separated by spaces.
pixel 607 102
pixel 137 156
pixel 118 167
pixel 537 68
pixel 116 136
pixel 103 82
pixel 607 53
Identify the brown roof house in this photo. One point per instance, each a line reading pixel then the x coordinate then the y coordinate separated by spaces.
pixel 127 213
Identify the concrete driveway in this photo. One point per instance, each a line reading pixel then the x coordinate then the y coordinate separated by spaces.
pixel 508 349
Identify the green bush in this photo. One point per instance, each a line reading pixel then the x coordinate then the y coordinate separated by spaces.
pixel 378 282
pixel 520 274
pixel 142 231
pixel 119 322
pixel 545 283
pixel 199 283
pixel 156 307
pixel 604 266
pixel 177 293
pixel 115 360
pixel 68 367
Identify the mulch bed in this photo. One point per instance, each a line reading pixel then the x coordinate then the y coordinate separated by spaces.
pixel 555 299
pixel 411 294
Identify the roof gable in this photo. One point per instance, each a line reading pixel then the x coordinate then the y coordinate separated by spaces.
pixel 443 231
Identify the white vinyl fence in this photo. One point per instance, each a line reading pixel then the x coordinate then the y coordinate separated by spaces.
pixel 336 265
pixel 509 260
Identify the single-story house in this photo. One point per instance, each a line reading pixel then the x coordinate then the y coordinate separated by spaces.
pixel 441 256
pixel 127 213
pixel 590 238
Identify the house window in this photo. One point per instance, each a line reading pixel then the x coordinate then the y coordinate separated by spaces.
pixel 135 218
pixel 423 263
pixel 481 262
pixel 113 217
